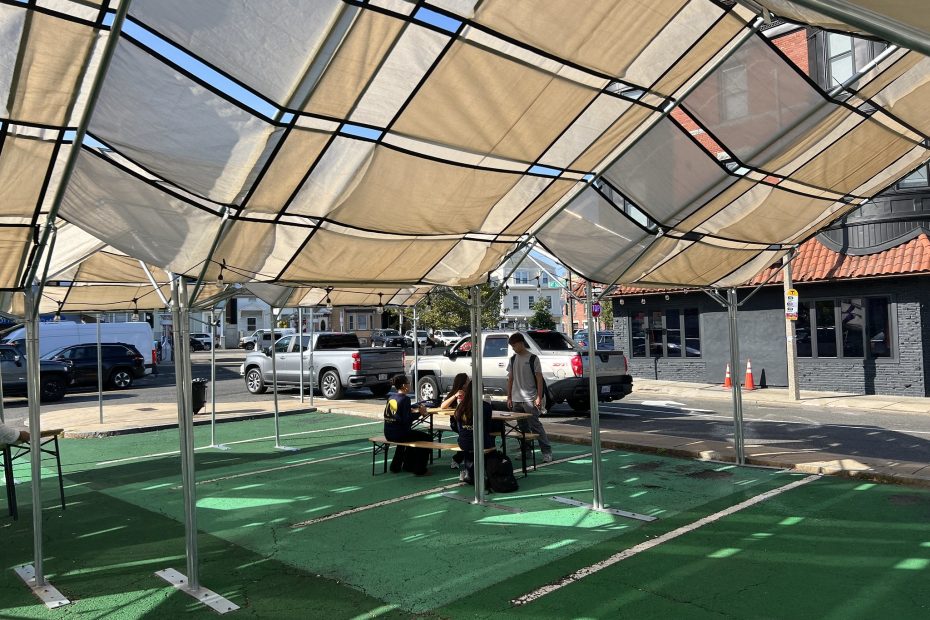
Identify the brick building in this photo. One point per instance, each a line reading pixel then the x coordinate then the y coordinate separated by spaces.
pixel 864 282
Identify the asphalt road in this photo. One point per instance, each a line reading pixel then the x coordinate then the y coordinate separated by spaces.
pixel 893 435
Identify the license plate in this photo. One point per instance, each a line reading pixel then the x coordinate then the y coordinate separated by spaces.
pixel 605 389
pixel 382 377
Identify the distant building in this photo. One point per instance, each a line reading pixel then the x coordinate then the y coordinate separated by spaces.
pixel 529 283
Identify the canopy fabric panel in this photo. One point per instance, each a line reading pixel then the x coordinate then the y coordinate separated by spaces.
pixel 281 296
pixel 392 145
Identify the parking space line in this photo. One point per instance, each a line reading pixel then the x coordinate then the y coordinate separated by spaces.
pixel 628 553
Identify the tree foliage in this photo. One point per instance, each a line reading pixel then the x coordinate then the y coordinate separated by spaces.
pixel 542 315
pixel 444 311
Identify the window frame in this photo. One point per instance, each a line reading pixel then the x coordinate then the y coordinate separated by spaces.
pixel 648 311
pixel 808 303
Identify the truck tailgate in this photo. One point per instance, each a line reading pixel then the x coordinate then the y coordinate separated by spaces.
pixel 607 362
pixel 382 360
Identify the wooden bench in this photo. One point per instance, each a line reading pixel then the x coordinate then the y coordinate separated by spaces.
pixel 383 444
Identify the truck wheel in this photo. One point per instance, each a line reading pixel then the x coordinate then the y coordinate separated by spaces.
pixel 428 389
pixel 51 389
pixel 120 379
pixel 381 390
pixel 330 385
pixel 579 405
pixel 254 382
pixel 249 346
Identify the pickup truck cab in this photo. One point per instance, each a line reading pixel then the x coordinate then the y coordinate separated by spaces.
pixel 565 367
pixel 261 338
pixel 338 363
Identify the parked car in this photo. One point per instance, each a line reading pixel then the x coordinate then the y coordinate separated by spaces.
pixel 445 337
pixel 205 339
pixel 422 336
pixel 54 376
pixel 389 338
pixel 565 367
pixel 121 363
pixel 198 345
pixel 338 363
pixel 605 340
pixel 263 336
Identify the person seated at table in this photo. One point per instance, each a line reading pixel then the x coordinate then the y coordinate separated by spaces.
pixel 464 421
pixel 451 402
pixel 399 418
pixel 10 435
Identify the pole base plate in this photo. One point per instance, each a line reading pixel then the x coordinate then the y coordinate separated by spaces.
pixel 209 598
pixel 47 593
pixel 612 511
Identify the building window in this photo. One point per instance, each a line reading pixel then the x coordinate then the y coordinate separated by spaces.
pixel 516 303
pixel 357 321
pixel 532 301
pixel 521 277
pixel 543 279
pixel 849 328
pixel 251 323
pixel 840 58
pixel 735 87
pixel 918 178
pixel 671 332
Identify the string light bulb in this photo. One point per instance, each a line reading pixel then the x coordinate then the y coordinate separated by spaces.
pixel 329 302
pixel 380 304
pixel 219 278
pixel 429 301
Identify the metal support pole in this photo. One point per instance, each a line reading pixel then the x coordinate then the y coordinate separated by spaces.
pixel 213 443
pixel 182 371
pixel 312 375
pixel 274 385
pixel 732 308
pixel 794 391
pixel 180 318
pixel 35 426
pixel 477 393
pixel 300 350
pixel 416 356
pixel 593 398
pixel 2 418
pixel 99 368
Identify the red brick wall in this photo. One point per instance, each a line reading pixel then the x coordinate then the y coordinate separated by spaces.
pixel 794 45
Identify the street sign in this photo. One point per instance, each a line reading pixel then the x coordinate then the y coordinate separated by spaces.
pixel 596 309
pixel 791 305
pixel 554 284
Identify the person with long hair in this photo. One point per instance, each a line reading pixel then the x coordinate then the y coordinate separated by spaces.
pixel 464 421
pixel 455 396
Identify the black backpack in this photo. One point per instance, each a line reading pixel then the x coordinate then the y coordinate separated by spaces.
pixel 499 470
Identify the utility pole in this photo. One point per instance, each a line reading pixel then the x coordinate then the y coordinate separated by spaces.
pixel 794 392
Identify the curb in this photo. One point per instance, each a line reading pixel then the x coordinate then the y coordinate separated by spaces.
pixel 162 427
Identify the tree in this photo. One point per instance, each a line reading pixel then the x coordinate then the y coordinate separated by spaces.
pixel 445 312
pixel 542 315
pixel 607 314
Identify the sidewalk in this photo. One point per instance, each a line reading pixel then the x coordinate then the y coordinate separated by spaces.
pixel 648 388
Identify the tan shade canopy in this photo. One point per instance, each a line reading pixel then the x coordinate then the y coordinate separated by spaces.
pixel 391 146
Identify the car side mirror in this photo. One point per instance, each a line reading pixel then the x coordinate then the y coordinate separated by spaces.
pixel 18 359
pixel 448 352
pixel 266 351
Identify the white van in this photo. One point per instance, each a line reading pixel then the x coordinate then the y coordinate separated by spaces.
pixel 54 335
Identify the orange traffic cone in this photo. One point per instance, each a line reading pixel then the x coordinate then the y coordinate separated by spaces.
pixel 727 382
pixel 750 382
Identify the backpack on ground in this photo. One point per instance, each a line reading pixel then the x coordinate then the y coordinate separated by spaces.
pixel 499 470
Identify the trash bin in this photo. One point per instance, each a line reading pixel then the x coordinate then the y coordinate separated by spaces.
pixel 199 394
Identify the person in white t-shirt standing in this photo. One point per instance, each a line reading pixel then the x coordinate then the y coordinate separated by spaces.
pixel 525 390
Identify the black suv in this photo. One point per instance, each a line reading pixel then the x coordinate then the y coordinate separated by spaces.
pixel 389 338
pixel 54 377
pixel 122 363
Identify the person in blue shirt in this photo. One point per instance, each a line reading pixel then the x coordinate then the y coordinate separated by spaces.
pixel 399 418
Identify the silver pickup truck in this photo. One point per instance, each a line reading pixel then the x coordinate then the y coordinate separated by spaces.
pixel 565 367
pixel 338 363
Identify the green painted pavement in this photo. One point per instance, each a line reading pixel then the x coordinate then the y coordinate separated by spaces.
pixel 434 555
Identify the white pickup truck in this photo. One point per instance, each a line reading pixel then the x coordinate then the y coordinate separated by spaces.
pixel 338 363
pixel 564 366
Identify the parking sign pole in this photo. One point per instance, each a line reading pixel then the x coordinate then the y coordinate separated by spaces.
pixel 593 397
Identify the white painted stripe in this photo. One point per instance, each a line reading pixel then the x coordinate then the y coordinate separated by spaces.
pixel 270 469
pixel 628 553
pixel 394 500
pixel 387 502
pixel 232 443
